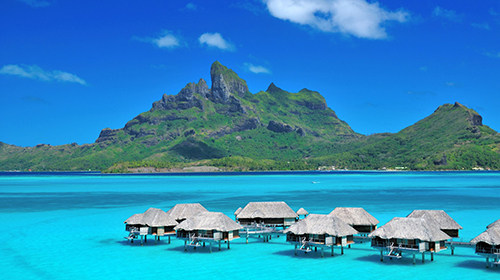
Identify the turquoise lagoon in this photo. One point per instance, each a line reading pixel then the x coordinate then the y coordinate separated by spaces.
pixel 70 225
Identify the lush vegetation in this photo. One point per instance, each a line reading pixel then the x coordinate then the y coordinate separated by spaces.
pixel 190 129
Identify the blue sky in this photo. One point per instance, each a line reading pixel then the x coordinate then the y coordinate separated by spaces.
pixel 71 68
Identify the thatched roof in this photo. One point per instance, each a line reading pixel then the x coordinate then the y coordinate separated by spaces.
pixel 209 221
pixel 439 216
pixel 186 210
pixel 410 228
pixel 355 216
pixel 134 219
pixel 302 211
pixel 494 224
pixel 490 236
pixel 238 211
pixel 267 210
pixel 321 224
pixel 153 217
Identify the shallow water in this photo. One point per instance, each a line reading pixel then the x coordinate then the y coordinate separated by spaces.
pixel 70 226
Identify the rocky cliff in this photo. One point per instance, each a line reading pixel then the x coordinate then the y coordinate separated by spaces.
pixel 228 107
pixel 229 127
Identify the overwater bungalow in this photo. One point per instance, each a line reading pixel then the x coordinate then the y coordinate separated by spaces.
pixel 302 212
pixel 488 244
pixel 182 211
pixel 263 219
pixel 237 212
pixel 269 214
pixel 207 227
pixel 445 222
pixel 408 235
pixel 358 218
pixel 320 231
pixel 152 222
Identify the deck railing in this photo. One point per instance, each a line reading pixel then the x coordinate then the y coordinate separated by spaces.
pixel 492 251
pixel 380 244
pixel 401 246
pixel 408 246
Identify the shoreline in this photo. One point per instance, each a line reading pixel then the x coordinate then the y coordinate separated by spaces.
pixel 235 173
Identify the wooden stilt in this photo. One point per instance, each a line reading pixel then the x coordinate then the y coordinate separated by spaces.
pixel 158 238
pixel 322 252
pixel 315 249
pixel 210 247
pixel 203 244
pixel 341 250
pixel 413 259
pixel 169 239
pixel 296 249
pixel 228 245
pixel 332 251
pixel 156 241
pixel 452 250
pixel 185 245
pixel 219 245
pixel 145 238
pixel 432 256
pixel 349 246
pixel 423 257
pixel 381 256
pixel 141 241
pixel 487 262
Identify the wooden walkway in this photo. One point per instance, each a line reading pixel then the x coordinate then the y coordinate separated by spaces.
pixel 460 243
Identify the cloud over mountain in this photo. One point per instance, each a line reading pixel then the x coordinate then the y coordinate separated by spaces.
pixel 350 17
pixel 37 73
pixel 257 69
pixel 216 40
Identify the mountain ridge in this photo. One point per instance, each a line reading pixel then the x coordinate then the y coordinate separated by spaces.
pixel 231 128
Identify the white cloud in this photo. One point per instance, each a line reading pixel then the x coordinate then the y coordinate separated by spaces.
pixel 447 14
pixel 37 73
pixel 257 69
pixel 481 25
pixel 191 6
pixel 165 41
pixel 351 17
pixel 215 40
pixel 423 68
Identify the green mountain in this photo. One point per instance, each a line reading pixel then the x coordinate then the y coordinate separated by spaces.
pixel 228 127
pixel 452 138
pixel 199 123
